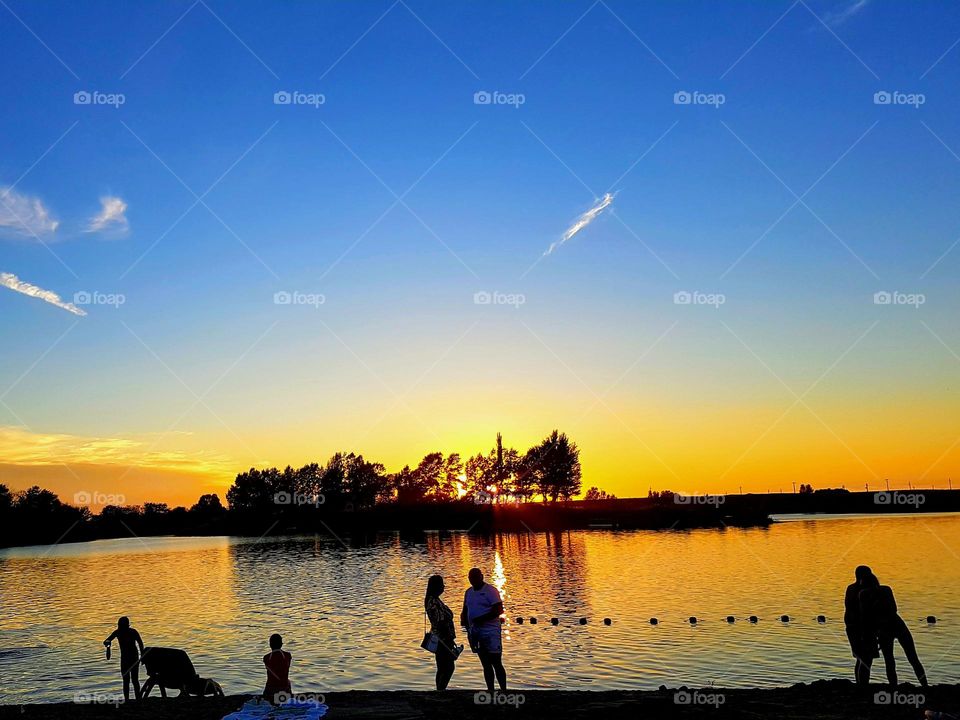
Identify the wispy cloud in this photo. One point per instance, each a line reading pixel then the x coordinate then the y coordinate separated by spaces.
pixel 842 14
pixel 581 222
pixel 11 281
pixel 19 446
pixel 24 215
pixel 112 216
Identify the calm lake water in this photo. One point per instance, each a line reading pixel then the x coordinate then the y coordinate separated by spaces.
pixel 352 616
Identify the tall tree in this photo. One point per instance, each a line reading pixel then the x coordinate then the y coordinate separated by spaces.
pixel 554 467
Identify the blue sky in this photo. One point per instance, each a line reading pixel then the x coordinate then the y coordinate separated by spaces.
pixel 294 192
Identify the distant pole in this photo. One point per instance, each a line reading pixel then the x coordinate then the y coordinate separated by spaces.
pixel 909 484
pixel 950 482
pixel 794 487
pixel 866 486
pixel 887 480
pixel 741 489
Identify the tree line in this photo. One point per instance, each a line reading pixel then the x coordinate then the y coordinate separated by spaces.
pixel 550 470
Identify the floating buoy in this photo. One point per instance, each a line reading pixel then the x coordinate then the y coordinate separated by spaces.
pixel 731 619
pixel 533 621
pixel 821 619
pixel 583 621
pixel 693 620
pixel 519 621
pixel 654 621
pixel 931 619
pixel 554 621
pixel 785 618
pixel 754 619
pixel 607 621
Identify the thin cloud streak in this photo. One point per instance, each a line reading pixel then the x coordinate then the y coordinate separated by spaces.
pixel 111 216
pixel 838 17
pixel 9 280
pixel 581 222
pixel 24 215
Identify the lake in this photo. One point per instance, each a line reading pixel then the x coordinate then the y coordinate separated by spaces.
pixel 351 614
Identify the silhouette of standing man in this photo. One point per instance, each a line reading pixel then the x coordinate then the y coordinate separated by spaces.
pixel 863 646
pixel 482 608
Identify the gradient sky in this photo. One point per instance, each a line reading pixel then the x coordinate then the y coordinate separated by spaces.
pixel 797 377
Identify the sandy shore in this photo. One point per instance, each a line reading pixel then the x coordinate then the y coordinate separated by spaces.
pixel 820 700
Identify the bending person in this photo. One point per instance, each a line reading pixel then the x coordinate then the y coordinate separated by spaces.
pixel 131 648
pixel 878 608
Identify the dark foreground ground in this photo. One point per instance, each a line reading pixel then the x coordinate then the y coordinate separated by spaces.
pixel 820 700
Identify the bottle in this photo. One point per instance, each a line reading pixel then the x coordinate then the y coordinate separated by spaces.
pixel 108 652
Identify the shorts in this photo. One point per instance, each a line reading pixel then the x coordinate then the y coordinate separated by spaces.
pixel 487 640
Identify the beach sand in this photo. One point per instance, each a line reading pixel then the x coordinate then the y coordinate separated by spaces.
pixel 820 700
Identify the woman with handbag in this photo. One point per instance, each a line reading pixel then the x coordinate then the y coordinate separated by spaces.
pixel 441 638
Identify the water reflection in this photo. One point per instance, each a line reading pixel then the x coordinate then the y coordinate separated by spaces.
pixel 351 612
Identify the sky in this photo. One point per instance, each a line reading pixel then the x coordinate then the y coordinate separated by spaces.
pixel 715 243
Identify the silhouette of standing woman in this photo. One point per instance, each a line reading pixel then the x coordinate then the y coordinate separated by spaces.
pixel 131 647
pixel 881 621
pixel 441 624
pixel 864 649
pixel 481 612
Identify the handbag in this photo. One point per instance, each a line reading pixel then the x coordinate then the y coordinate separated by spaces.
pixel 430 640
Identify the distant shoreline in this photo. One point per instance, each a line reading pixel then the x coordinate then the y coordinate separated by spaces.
pixel 667 511
pixel 820 700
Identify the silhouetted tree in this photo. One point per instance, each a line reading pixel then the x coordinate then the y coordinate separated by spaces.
pixel 254 490
pixel 478 472
pixel 208 504
pixel 405 486
pixel 595 493
pixel 554 467
pixel 350 482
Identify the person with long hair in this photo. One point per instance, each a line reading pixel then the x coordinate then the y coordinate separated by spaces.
pixel 882 624
pixel 441 624
pixel 864 649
